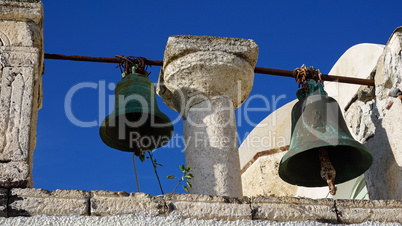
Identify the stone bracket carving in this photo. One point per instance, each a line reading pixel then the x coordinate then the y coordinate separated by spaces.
pixel 4 40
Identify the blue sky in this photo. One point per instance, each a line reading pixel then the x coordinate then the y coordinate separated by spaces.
pixel 289 34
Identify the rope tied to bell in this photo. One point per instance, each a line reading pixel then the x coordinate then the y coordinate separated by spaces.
pixel 303 73
pixel 127 63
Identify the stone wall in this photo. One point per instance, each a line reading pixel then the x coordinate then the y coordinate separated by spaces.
pixel 33 203
pixel 373 114
pixel 21 66
pixel 375 119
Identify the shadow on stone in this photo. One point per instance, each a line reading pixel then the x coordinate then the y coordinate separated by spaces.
pixel 383 176
pixel 16 212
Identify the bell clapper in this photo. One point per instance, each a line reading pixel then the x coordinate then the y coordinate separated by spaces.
pixel 136 152
pixel 327 172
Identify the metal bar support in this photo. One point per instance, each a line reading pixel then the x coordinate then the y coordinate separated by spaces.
pixel 258 70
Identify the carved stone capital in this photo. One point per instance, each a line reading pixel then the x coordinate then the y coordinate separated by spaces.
pixel 197 68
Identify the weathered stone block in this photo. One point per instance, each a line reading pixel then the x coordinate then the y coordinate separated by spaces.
pixel 30 202
pixel 14 174
pixel 25 10
pixel 3 202
pixel 21 57
pixel 181 45
pixel 21 66
pixel 16 98
pixel 293 209
pixel 208 207
pixel 358 211
pixel 20 33
pixel 106 203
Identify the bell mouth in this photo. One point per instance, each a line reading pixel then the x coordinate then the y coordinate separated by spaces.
pixel 136 135
pixel 302 168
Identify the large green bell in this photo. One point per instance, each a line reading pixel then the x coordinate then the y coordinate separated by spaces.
pixel 317 123
pixel 136 123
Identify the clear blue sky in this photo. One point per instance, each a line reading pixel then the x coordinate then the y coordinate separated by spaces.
pixel 289 34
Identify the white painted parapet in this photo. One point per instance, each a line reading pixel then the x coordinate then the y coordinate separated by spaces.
pixel 205 79
pixel 358 62
pixel 261 153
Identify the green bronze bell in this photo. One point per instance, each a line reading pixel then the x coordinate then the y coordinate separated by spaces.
pixel 318 126
pixel 136 123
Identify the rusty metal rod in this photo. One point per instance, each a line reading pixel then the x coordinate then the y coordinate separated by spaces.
pixel 259 70
pixel 334 78
pixel 95 59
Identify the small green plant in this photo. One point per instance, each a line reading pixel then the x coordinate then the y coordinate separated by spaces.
pixel 185 170
pixel 155 164
pixel 185 177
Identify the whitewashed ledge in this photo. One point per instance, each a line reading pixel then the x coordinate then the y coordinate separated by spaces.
pixel 68 207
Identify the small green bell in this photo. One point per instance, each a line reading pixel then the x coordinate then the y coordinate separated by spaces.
pixel 136 123
pixel 319 130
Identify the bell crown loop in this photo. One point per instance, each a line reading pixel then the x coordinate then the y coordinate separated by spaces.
pixel 313 88
pixel 134 71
